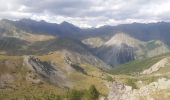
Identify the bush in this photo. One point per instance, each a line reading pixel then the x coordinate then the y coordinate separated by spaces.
pixel 92 93
pixel 109 78
pixel 131 82
pixel 74 95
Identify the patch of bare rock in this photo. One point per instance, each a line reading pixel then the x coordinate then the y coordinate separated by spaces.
pixel 120 91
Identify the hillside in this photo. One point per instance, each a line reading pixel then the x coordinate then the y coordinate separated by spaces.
pixel 122 48
pixel 142 79
pixel 30 77
pixel 138 66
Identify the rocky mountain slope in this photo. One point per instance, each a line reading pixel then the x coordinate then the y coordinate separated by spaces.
pixel 122 48
pixel 18 38
pixel 160 64
pixel 30 77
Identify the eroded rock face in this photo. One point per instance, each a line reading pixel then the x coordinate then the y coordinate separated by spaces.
pixel 86 59
pixel 162 63
pixel 46 71
pixel 122 48
pixel 119 91
pixel 74 66
pixel 117 54
pixel 119 49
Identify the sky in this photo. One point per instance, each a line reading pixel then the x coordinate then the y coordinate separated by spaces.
pixel 87 13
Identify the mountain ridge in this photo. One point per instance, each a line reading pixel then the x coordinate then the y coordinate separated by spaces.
pixel 40 60
pixel 141 31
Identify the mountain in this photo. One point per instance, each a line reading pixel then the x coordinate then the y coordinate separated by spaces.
pixel 10 30
pixel 143 32
pixel 140 31
pixel 41 60
pixel 78 52
pixel 42 27
pixel 119 48
pixel 122 48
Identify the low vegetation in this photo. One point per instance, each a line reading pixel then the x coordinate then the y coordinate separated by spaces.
pixel 137 66
pixel 132 82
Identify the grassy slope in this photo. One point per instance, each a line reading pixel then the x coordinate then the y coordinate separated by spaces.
pixel 129 73
pixel 21 88
pixel 137 65
pixel 79 80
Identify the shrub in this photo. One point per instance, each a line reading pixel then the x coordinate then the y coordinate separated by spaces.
pixel 131 82
pixel 109 78
pixel 92 93
pixel 74 95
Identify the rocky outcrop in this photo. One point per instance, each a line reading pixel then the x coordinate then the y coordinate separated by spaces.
pixel 119 91
pixel 74 66
pixel 46 71
pixel 162 63
pixel 85 58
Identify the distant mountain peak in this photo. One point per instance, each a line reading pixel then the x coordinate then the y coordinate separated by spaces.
pixel 26 20
pixel 65 23
pixel 122 38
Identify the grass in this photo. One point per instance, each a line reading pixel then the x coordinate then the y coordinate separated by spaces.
pixel 79 80
pixel 31 92
pixel 161 95
pixel 132 82
pixel 10 64
pixel 137 66
pixel 94 77
pixel 20 88
pixel 24 89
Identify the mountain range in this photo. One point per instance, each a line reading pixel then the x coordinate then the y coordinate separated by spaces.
pixel 121 43
pixel 121 61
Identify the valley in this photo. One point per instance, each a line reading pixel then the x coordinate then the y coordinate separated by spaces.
pixel 47 61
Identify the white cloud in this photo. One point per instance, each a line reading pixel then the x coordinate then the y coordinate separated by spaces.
pixel 86 13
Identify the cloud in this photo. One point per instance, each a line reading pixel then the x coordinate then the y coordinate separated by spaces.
pixel 86 13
